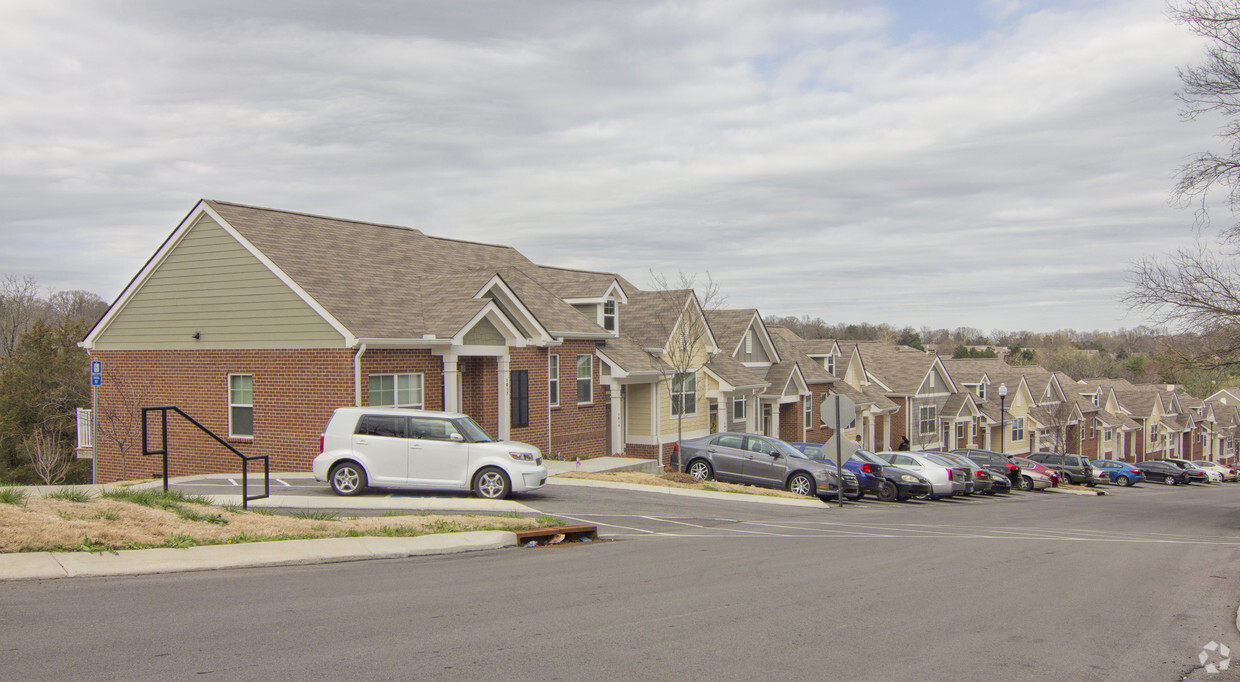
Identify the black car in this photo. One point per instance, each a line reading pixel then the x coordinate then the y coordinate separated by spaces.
pixel 1157 470
pixel 994 462
pixel 1075 468
pixel 1195 475
pixel 905 483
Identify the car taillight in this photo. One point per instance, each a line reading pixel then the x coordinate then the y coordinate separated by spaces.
pixel 1011 467
pixel 867 468
pixel 320 444
pixel 951 474
pixel 979 474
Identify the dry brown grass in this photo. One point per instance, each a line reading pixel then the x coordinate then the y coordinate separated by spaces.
pixel 678 480
pixel 42 524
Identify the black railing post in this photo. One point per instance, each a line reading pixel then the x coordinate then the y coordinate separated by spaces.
pixel 245 459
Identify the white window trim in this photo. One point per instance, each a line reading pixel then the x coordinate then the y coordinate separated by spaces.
pixel 231 405
pixel 553 361
pixel 739 400
pixel 829 363
pixel 588 378
pixel 396 388
pixel 615 316
pixel 809 410
pixel 922 419
pixel 1018 426
pixel 671 403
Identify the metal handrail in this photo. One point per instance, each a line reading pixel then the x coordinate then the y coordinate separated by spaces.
pixel 245 459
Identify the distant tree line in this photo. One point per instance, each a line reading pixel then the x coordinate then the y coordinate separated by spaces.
pixel 43 379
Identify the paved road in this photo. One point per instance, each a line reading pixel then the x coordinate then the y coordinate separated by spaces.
pixel 1130 586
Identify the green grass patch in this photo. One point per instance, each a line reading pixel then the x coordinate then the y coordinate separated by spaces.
pixel 315 515
pixel 11 494
pixel 108 514
pixel 169 500
pixel 69 495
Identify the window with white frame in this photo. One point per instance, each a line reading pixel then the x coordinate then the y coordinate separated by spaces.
pixel 822 398
pixel 585 378
pixel 738 408
pixel 1106 435
pixel 809 410
pixel 684 393
pixel 609 315
pixel 241 405
pixel 1094 399
pixel 395 390
pixel 1018 429
pixel 981 391
pixel 959 431
pixel 553 379
pixel 1093 429
pixel 829 363
pixel 1153 434
pixel 926 420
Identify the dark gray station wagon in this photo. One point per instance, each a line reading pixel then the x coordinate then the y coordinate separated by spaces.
pixel 761 460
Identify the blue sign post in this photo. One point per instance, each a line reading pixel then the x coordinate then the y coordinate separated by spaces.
pixel 96 373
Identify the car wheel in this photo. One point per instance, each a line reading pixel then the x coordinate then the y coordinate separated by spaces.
pixel 348 479
pixel 492 484
pixel 802 484
pixel 1170 480
pixel 1026 483
pixel 700 469
pixel 1123 481
pixel 889 492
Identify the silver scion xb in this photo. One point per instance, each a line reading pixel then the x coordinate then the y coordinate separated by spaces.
pixel 392 447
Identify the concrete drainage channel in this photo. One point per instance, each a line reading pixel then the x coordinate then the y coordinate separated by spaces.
pixel 556 535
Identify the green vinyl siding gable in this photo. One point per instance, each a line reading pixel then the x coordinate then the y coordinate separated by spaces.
pixel 484 334
pixel 211 285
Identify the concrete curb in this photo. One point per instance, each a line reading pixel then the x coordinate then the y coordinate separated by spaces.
pixel 682 492
pixel 1086 493
pixel 46 565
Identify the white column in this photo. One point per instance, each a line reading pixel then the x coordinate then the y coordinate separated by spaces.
pixel 451 384
pixel 616 446
pixel 504 391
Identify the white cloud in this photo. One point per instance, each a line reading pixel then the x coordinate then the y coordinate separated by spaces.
pixel 809 157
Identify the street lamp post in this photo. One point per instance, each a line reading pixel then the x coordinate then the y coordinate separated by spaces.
pixel 1002 432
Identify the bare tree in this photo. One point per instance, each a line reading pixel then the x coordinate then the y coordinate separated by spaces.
pixel 76 306
pixel 48 454
pixel 120 413
pixel 684 327
pixel 19 308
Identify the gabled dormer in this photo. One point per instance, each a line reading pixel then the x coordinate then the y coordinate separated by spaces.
pixel 755 348
pixel 937 381
pixel 604 310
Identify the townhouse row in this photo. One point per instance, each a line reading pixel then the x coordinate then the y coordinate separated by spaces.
pixel 258 323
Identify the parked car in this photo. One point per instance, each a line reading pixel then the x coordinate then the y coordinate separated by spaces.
pixel 905 483
pixel 1028 466
pixel 421 449
pixel 763 461
pixel 981 477
pixel 945 479
pixel 1033 480
pixel 1228 473
pixel 1195 475
pixel 869 476
pixel 1075 468
pixel 1165 472
pixel 994 462
pixel 1118 473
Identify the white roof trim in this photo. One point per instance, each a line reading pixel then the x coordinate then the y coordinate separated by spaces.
pixel 497 283
pixel 170 244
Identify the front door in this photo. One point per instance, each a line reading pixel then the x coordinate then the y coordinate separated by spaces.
pixel 766 420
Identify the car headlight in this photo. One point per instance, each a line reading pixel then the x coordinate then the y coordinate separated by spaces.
pixel 908 478
pixel 522 456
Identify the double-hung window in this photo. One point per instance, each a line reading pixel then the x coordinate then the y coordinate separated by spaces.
pixel 395 390
pixel 609 315
pixel 926 419
pixel 1018 429
pixel 241 405
pixel 738 408
pixel 809 411
pixel 553 379
pixel 684 393
pixel 585 378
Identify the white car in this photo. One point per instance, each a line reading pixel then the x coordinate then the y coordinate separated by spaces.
pixel 945 480
pixel 391 447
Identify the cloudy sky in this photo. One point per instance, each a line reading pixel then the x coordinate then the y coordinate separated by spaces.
pixel 989 163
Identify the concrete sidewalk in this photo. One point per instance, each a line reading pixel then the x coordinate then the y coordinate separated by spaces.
pixel 45 565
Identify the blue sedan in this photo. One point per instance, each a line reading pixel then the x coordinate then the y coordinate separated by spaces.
pixel 1118 473
pixel 869 478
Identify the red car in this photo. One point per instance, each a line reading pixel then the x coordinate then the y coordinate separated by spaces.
pixel 1034 466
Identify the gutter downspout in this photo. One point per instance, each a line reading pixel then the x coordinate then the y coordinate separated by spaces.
pixel 357 375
